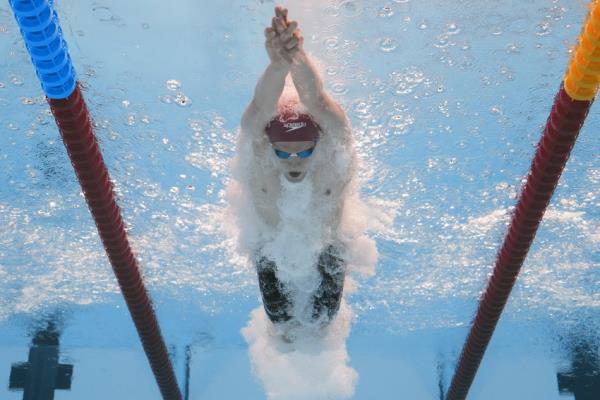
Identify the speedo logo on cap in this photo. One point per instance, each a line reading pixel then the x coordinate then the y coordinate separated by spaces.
pixel 292 126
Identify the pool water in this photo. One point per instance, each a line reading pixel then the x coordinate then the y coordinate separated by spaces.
pixel 447 100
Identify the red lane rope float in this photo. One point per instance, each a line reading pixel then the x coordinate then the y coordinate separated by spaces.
pixel 75 127
pixel 571 106
pixel 561 131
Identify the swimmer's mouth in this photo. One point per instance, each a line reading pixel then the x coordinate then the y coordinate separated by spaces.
pixel 294 176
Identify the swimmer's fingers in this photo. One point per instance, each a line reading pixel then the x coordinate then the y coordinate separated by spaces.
pixel 274 24
pixel 284 15
pixel 270 33
pixel 279 25
pixel 298 35
pixel 281 12
pixel 272 41
pixel 289 31
pixel 293 42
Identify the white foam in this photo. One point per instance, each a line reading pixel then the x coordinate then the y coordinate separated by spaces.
pixel 314 366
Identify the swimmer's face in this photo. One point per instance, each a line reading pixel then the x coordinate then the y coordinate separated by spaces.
pixel 294 167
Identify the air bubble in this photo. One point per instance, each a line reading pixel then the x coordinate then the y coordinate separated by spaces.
pixel 513 48
pixel 497 110
pixel 153 190
pixel 103 13
pixel 339 88
pixel 17 81
pixel 27 100
pixel 442 42
pixel 196 125
pixel 166 99
pixel 332 11
pixel 331 42
pixel 386 11
pixel 403 88
pixel 173 84
pixel 496 31
pixel 41 119
pixel 388 44
pixel 502 186
pixel 2 85
pixel 182 100
pixel 507 73
pixel 349 8
pixel 543 29
pixel 362 107
pixel 130 120
pixel 331 70
pixel 218 122
pixel 452 29
pixel 400 122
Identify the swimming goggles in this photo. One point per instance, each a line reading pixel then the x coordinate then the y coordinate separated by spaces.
pixel 284 155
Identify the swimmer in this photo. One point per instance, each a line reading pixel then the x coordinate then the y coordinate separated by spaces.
pixel 305 137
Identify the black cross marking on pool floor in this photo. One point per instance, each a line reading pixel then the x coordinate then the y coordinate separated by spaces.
pixel 42 374
pixel 583 381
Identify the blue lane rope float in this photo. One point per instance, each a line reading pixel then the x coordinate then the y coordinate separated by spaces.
pixel 43 38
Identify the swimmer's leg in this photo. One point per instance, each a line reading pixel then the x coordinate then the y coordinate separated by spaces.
pixel 328 296
pixel 275 298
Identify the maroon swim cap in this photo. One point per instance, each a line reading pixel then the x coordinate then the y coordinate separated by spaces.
pixel 292 128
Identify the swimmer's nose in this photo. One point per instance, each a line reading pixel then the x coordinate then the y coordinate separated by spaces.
pixel 294 174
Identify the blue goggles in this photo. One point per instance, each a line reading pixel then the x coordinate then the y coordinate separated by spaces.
pixel 284 155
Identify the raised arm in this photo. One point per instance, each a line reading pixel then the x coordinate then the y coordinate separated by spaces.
pixel 267 92
pixel 324 109
pixel 270 86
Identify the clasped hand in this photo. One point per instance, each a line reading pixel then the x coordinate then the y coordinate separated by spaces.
pixel 283 38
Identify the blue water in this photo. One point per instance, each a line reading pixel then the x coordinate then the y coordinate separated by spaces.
pixel 447 100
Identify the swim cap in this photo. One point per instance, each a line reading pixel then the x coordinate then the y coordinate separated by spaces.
pixel 292 128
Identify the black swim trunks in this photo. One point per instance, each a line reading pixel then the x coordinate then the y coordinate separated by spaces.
pixel 326 299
